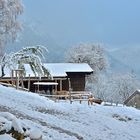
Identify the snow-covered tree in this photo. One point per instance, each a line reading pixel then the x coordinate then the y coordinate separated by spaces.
pixel 123 85
pixel 115 87
pixel 99 88
pixel 93 54
pixel 29 55
pixel 9 24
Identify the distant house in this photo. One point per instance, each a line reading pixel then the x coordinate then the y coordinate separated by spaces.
pixel 64 74
pixel 134 100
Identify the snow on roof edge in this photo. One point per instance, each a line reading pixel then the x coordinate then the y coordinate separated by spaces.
pixel 59 69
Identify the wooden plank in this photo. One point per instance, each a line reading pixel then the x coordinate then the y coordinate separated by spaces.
pixel 63 95
pixel 45 95
pixel 76 95
pixel 80 92
pixel 13 86
pixel 6 84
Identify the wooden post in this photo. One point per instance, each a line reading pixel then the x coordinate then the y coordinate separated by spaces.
pixel 17 80
pixel 56 86
pixel 60 84
pixel 70 90
pixel 38 86
pixel 90 100
pixel 80 99
pixel 21 74
pixel 29 83
pixel 12 77
pixel 18 75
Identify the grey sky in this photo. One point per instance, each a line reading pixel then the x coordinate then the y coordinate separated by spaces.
pixel 68 22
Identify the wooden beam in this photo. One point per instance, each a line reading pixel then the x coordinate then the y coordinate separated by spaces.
pixel 29 83
pixel 17 80
pixel 56 86
pixel 60 84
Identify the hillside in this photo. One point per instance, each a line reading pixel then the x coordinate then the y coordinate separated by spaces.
pixel 65 121
pixel 125 59
pixel 115 65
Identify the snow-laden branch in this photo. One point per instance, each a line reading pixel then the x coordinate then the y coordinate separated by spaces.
pixel 93 54
pixel 28 55
pixel 9 23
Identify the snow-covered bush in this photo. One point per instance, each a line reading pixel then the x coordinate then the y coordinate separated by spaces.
pixel 11 126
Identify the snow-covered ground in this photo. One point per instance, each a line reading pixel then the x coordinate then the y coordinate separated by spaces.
pixel 65 121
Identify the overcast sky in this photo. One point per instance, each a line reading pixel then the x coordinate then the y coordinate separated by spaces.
pixel 68 22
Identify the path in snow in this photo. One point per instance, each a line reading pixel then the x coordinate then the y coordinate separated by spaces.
pixel 52 112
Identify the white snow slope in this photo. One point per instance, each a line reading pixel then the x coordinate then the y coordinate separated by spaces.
pixel 65 121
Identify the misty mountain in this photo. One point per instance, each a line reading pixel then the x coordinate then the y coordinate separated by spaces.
pixel 125 59
pixel 116 65
pixel 33 34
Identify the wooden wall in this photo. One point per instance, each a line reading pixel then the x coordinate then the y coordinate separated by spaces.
pixel 77 81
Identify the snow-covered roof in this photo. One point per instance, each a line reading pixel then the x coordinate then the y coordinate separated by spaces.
pixel 59 69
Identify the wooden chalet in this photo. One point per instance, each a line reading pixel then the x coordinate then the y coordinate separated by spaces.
pixel 65 74
pixel 133 100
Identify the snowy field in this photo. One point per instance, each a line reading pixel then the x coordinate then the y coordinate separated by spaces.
pixel 65 121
